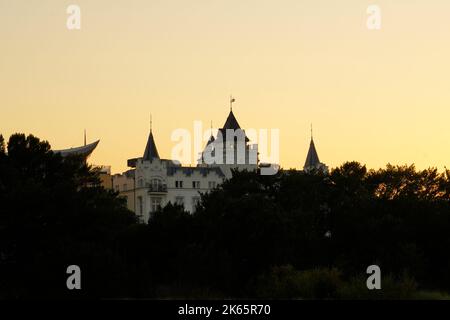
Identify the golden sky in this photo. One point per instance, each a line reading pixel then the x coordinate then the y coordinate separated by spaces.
pixel 373 96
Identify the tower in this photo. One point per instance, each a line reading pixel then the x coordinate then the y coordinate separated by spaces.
pixel 151 152
pixel 312 162
pixel 231 148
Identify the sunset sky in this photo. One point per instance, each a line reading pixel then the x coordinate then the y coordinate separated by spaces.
pixel 372 96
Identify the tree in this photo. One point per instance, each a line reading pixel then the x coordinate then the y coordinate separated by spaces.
pixel 326 227
pixel 54 213
pixel 2 146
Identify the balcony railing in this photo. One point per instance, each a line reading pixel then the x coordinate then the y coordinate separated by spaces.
pixel 161 188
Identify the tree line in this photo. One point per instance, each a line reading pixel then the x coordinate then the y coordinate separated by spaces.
pixel 293 235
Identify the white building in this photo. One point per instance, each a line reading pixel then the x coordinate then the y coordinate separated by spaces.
pixel 153 182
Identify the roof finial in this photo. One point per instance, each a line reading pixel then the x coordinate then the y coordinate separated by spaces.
pixel 311 132
pixel 84 136
pixel 150 122
pixel 231 102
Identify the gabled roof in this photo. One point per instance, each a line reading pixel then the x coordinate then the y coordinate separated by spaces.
pixel 150 152
pixel 83 151
pixel 312 159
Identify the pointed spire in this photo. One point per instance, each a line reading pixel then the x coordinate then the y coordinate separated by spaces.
pixel 231 122
pixel 211 138
pixel 312 159
pixel 85 137
pixel 151 152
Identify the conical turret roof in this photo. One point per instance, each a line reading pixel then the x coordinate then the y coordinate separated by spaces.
pixel 150 152
pixel 312 159
pixel 231 124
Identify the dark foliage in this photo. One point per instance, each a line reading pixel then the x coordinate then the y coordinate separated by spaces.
pixel 54 214
pixel 291 235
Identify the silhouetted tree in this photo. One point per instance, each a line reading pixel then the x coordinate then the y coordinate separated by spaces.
pixel 54 214
pixel 293 234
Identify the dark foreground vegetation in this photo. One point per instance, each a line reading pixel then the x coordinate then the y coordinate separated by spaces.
pixel 291 235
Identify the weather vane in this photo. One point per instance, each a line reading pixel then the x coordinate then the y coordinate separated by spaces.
pixel 231 102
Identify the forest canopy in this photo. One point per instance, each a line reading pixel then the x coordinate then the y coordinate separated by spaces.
pixel 291 235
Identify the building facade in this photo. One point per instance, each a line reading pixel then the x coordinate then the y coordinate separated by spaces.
pixel 152 182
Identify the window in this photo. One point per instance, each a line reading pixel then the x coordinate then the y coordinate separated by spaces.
pixel 156 204
pixel 140 205
pixel 179 201
pixel 140 183
pixel 156 183
pixel 179 184
pixel 125 187
pixel 196 184
pixel 211 184
pixel 117 187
